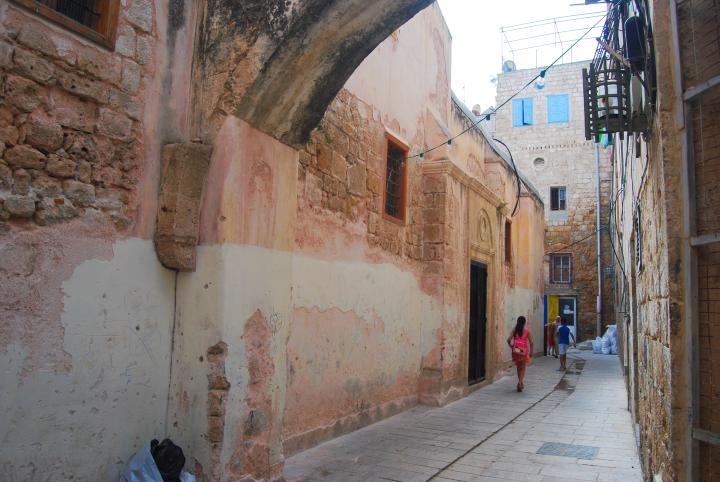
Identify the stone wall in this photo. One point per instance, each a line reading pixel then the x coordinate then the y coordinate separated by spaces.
pixel 567 160
pixel 87 310
pixel 661 335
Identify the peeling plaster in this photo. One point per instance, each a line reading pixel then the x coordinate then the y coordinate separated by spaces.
pixel 116 337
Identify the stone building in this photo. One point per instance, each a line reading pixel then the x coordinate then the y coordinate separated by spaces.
pixel 665 226
pixel 544 129
pixel 206 233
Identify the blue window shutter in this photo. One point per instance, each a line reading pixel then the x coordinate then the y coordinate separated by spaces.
pixel 527 112
pixel 517 110
pixel 558 108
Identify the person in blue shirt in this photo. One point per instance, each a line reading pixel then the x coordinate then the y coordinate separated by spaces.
pixel 563 336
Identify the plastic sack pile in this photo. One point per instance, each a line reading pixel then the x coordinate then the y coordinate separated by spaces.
pixel 606 344
pixel 157 462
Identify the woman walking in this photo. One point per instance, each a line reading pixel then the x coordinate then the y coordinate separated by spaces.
pixel 521 343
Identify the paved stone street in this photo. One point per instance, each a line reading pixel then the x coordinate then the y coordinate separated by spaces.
pixel 567 428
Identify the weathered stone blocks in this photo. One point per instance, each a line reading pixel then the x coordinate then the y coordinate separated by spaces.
pixel 25 157
pixel 185 168
pixel 20 206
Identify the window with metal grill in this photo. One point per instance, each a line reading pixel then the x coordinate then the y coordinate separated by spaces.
pixel 94 19
pixel 557 199
pixel 395 180
pixel 560 268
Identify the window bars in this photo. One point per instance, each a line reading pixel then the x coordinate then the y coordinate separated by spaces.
pixel 82 11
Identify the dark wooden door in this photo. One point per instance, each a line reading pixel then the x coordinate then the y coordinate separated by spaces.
pixel 478 322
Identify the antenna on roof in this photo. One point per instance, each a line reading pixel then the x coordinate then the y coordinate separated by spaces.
pixel 508 66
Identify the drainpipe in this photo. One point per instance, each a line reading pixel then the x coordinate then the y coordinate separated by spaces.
pixel 598 328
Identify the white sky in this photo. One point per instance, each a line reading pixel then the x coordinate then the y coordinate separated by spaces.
pixel 476 40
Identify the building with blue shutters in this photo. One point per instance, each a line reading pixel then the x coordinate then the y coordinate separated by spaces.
pixel 545 130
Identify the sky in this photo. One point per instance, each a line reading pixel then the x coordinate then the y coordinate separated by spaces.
pixel 477 49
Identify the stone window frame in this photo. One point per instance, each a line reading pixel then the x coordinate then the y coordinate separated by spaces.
pixel 104 34
pixel 564 190
pixel 555 256
pixel 395 142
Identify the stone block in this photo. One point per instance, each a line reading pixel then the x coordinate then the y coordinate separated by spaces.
pixel 126 40
pixel 110 199
pixel 216 403
pixel 9 135
pixel 357 179
pixel 6 177
pixel 339 167
pixel 37 38
pixel 185 168
pixel 22 93
pixel 6 54
pixel 25 157
pixel 433 233
pixel 140 14
pixel 20 206
pixel 215 429
pixel 69 111
pixel 131 76
pixel 46 186
pixel 324 158
pixel 99 64
pixel 42 133
pixel 84 171
pixel 21 182
pixel 34 67
pixel 54 210
pixel 114 125
pixel 79 193
pixel 433 184
pixel 84 87
pixel 144 49
pixel 125 103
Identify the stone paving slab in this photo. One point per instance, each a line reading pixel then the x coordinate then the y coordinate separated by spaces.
pixel 494 434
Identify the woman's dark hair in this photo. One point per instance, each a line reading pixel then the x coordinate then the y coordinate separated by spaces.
pixel 520 326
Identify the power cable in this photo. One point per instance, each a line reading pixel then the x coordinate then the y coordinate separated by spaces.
pixel 565 248
pixel 517 176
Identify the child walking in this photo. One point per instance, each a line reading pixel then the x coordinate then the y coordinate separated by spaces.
pixel 563 337
pixel 521 344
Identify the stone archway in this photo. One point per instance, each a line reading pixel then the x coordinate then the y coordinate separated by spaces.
pixel 278 64
pixel 275 64
pixel 264 74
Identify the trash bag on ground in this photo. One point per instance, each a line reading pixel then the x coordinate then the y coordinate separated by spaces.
pixel 605 347
pixel 157 462
pixel 597 345
pixel 610 341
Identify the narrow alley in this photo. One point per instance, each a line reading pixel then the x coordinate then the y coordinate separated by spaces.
pixel 311 240
pixel 571 427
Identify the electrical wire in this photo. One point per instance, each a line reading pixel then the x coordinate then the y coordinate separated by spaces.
pixel 517 176
pixel 486 117
pixel 565 248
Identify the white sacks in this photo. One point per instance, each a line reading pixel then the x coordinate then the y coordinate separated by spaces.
pixel 609 341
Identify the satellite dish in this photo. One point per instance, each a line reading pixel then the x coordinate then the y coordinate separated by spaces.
pixel 508 66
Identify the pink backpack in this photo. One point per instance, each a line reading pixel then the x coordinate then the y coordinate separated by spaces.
pixel 520 345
